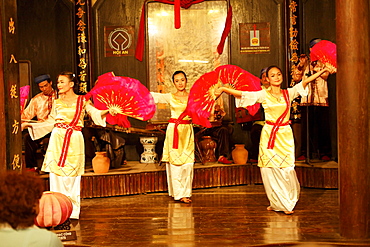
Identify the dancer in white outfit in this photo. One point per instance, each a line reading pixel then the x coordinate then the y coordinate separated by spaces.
pixel 276 150
pixel 180 161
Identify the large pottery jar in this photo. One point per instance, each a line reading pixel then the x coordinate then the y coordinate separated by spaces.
pixel 240 154
pixel 100 162
pixel 208 148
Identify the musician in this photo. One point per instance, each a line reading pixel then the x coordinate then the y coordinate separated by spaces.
pixel 39 108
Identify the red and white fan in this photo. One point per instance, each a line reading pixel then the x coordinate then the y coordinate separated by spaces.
pixel 202 94
pixel 126 95
pixel 326 52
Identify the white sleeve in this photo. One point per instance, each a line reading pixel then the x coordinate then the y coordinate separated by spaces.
pixel 38 130
pixel 95 114
pixel 161 97
pixel 30 110
pixel 297 90
pixel 250 98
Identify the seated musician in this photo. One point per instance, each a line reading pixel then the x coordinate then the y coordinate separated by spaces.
pixel 39 108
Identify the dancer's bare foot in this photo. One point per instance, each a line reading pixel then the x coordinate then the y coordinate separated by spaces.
pixel 185 200
pixel 269 208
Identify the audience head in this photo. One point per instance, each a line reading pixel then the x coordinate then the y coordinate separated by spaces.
pixel 19 198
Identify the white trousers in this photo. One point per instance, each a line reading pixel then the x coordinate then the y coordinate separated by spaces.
pixel 282 187
pixel 180 180
pixel 69 186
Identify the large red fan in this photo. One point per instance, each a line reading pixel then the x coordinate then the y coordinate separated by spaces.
pixel 124 94
pixel 202 94
pixel 202 98
pixel 239 79
pixel 326 52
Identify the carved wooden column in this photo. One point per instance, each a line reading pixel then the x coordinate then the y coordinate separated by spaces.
pixel 353 116
pixel 11 134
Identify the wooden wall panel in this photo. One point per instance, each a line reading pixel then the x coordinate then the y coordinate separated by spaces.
pixel 46 36
pixel 255 11
pixel 318 21
pixel 117 13
pixel 9 99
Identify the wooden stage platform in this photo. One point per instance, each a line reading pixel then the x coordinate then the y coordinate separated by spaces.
pixel 138 178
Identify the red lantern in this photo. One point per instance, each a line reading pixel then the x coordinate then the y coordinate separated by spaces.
pixel 55 209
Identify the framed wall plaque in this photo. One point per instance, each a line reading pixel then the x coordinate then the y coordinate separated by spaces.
pixel 254 38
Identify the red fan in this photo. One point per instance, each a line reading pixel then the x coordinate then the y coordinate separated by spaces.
pixel 24 91
pixel 326 52
pixel 202 96
pixel 126 95
pixel 239 79
pixel 202 93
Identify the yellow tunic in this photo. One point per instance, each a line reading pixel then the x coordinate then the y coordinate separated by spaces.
pixel 62 113
pixel 282 154
pixel 185 152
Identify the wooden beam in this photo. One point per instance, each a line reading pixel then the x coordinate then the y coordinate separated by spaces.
pixel 353 116
pixel 2 98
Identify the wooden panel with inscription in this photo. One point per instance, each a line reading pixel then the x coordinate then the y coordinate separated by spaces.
pixel 10 121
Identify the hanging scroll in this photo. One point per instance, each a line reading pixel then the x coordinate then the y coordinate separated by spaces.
pixel 293 33
pixel 83 66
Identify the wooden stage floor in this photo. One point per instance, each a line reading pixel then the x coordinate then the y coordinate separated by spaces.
pixel 130 207
pixel 224 216
pixel 137 178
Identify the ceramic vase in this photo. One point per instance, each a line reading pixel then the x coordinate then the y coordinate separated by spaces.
pixel 240 154
pixel 100 162
pixel 208 148
pixel 149 156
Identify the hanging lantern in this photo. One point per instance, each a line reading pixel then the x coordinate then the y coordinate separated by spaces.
pixel 55 209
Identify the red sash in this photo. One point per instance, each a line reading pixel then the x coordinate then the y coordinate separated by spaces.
pixel 175 144
pixel 70 128
pixel 279 121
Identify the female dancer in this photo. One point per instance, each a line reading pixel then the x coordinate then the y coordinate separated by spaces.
pixel 276 151
pixel 180 161
pixel 65 156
